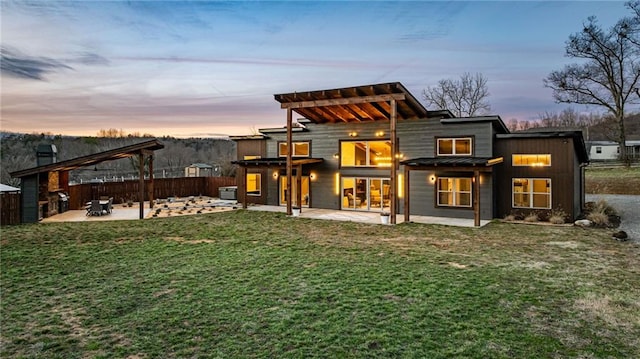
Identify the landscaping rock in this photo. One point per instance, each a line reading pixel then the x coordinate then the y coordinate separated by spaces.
pixel 621 236
pixel 583 223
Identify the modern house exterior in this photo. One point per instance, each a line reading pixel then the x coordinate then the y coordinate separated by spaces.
pixel 375 148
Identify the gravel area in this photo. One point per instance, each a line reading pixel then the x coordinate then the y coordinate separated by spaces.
pixel 628 206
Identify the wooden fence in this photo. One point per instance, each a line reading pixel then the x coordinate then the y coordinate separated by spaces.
pixel 9 208
pixel 162 188
pixel 122 191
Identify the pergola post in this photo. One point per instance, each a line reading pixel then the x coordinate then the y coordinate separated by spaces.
pixel 299 187
pixel 476 198
pixel 141 182
pixel 406 193
pixel 394 161
pixel 151 181
pixel 243 180
pixel 289 159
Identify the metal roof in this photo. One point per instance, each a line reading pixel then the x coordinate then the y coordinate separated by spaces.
pixel 280 161
pixel 90 160
pixel 452 161
pixel 356 104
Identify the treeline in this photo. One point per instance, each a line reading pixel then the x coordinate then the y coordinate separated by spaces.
pixel 18 152
pixel 594 127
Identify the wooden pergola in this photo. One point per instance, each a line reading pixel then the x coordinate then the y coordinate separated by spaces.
pixel 379 102
pixel 476 165
pixel 141 150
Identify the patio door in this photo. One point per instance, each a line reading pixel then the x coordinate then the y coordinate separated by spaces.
pixel 294 195
pixel 366 194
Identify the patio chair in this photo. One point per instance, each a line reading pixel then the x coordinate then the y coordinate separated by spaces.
pixel 95 208
pixel 109 207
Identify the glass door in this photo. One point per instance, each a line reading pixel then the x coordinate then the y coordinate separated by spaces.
pixel 294 195
pixel 368 194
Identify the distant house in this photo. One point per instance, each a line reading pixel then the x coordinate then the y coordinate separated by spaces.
pixel 610 151
pixel 201 170
pixel 375 148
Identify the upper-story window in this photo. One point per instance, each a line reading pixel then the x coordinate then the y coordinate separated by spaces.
pixel 531 160
pixel 251 157
pixel 300 149
pixel 455 146
pixel 365 153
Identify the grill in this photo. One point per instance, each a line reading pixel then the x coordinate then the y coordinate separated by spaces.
pixel 63 202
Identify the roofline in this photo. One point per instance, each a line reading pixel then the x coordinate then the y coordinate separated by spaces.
pixel 84 161
pixel 578 143
pixel 248 137
pixel 495 119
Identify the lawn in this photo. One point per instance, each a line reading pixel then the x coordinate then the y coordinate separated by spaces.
pixel 258 284
pixel 612 180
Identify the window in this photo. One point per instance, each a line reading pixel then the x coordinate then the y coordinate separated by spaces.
pixel 598 149
pixel 252 157
pixel 532 193
pixel 454 192
pixel 454 146
pixel 531 160
pixel 254 184
pixel 300 149
pixel 365 153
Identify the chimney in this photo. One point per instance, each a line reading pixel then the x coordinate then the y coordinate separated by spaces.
pixel 46 154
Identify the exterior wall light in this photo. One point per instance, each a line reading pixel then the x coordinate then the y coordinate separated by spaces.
pixel 353 134
pixel 275 175
pixel 379 133
pixel 336 155
pixel 312 176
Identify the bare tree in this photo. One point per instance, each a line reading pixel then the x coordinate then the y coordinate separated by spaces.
pixel 608 73
pixel 464 97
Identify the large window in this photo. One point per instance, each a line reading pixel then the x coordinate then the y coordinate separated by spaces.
pixel 454 192
pixel 531 160
pixel 365 154
pixel 300 149
pixel 455 146
pixel 532 193
pixel 254 184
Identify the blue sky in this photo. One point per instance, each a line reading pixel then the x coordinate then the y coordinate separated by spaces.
pixel 197 69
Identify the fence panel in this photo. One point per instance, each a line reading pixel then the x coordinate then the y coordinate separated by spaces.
pixel 9 208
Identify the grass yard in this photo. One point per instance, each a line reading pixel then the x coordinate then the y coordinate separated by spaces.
pixel 612 180
pixel 258 284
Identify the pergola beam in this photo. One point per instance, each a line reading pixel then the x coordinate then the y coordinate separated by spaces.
pixel 344 101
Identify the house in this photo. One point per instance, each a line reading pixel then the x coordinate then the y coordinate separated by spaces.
pixel 376 148
pixel 201 170
pixel 606 150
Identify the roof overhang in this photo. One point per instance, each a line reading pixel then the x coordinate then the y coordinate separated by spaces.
pixel 578 141
pixel 355 104
pixel 454 163
pixel 90 160
pixel 276 162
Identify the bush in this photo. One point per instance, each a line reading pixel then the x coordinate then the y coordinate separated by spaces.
pixel 557 216
pixel 510 218
pixel 532 217
pixel 599 219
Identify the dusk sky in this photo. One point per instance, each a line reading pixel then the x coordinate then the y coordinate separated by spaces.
pixel 199 69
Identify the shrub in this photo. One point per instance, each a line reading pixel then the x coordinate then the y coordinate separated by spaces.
pixel 603 207
pixel 557 216
pixel 599 218
pixel 510 217
pixel 532 217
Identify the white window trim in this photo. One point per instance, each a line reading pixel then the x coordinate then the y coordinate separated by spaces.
pixel 454 192
pixel 454 139
pixel 531 193
pixel 294 149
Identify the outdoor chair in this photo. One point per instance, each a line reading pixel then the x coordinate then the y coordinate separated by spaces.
pixel 109 207
pixel 95 208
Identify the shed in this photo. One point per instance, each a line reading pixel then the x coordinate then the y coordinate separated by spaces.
pixel 200 170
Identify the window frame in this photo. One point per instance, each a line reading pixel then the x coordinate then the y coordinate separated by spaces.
pixel 455 192
pixel 308 143
pixel 531 193
pixel 453 146
pixel 513 160
pixel 367 150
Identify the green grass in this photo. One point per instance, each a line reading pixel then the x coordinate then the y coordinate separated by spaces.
pixel 258 284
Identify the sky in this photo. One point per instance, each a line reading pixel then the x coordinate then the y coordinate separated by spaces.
pixel 211 68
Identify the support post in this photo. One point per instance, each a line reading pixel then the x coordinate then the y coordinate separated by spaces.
pixel 289 159
pixel 141 183
pixel 243 188
pixel 476 198
pixel 406 193
pixel 151 197
pixel 394 162
pixel 299 187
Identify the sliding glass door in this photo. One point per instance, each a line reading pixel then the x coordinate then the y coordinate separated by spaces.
pixel 294 195
pixel 366 193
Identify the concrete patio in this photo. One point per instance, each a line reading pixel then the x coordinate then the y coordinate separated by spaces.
pixel 121 212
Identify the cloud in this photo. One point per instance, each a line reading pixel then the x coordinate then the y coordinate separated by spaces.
pixel 13 63
pixel 88 58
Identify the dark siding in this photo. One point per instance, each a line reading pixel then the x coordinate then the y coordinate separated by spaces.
pixel 29 190
pixel 564 185
pixel 252 148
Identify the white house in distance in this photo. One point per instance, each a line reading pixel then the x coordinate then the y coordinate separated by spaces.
pixel 609 150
